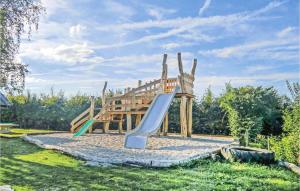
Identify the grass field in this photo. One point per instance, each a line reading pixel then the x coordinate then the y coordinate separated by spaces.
pixel 26 167
pixel 17 132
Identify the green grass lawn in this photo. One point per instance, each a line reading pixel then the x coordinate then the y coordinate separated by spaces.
pixel 27 167
pixel 17 132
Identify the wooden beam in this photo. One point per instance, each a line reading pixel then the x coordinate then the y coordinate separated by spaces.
pixel 183 117
pixel 103 93
pixel 194 67
pixel 166 124
pixel 164 64
pixel 105 127
pixel 120 124
pixel 79 123
pixel 129 122
pixel 83 114
pixel 138 119
pixel 126 112
pixel 92 110
pixel 180 67
pixel 190 117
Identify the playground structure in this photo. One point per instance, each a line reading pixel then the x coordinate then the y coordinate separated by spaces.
pixel 149 103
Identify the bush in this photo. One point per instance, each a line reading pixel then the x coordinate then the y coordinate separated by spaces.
pixel 51 111
pixel 252 110
pixel 287 146
pixel 208 117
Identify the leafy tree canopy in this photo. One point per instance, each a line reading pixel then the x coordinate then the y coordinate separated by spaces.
pixel 16 18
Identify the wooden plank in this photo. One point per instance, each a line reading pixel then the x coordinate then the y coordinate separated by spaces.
pixel 187 76
pixel 79 123
pixel 143 87
pixel 80 116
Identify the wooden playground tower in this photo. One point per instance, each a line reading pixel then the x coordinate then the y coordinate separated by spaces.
pixel 136 101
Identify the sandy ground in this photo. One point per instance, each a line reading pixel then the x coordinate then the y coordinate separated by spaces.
pixel 108 148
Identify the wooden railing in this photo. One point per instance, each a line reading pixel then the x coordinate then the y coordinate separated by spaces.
pixel 80 119
pixel 170 84
pixel 83 117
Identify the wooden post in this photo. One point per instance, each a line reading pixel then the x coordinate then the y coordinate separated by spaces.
pixel 180 67
pixel 158 131
pixel 103 93
pixel 120 124
pixel 194 67
pixel 92 110
pixel 183 117
pixel 138 119
pixel 190 117
pixel 139 83
pixel 105 127
pixel 166 125
pixel 128 119
pixel 164 74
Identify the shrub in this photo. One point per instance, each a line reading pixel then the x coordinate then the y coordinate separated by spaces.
pixel 252 110
pixel 287 146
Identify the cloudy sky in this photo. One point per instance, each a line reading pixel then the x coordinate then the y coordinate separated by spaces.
pixel 82 43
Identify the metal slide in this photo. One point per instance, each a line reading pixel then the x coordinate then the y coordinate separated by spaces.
pixel 151 122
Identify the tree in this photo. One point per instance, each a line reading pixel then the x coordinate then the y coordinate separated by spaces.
pixel 252 110
pixel 286 146
pixel 208 117
pixel 16 18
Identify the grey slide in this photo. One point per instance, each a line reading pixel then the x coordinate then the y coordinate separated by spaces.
pixel 151 122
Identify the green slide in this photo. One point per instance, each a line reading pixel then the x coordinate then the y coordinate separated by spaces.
pixel 84 128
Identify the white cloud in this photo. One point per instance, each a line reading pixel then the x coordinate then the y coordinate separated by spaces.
pixel 173 45
pixel 197 36
pixel 286 31
pixel 159 12
pixel 76 53
pixel 122 11
pixel 53 6
pixel 76 30
pixel 243 80
pixel 170 46
pixel 270 49
pixel 204 7
pixel 270 6
pixel 179 22
pixel 180 25
pixel 257 68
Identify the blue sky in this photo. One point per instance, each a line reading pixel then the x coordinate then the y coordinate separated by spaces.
pixel 81 44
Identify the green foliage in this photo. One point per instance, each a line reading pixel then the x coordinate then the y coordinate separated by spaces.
pixel 27 167
pixel 47 111
pixel 287 146
pixel 252 109
pixel 208 117
pixel 16 18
